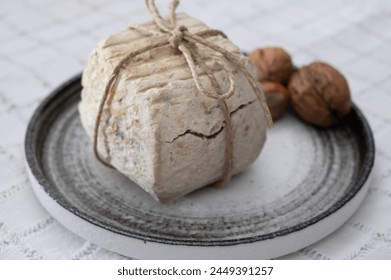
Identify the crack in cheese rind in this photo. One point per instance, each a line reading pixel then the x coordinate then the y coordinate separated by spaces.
pixel 156 101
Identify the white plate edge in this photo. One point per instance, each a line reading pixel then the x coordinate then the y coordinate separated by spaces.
pixel 135 248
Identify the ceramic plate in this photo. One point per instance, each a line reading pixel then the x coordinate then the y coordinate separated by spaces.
pixel 306 183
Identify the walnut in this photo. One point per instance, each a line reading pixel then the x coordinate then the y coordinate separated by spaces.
pixel 272 64
pixel 277 98
pixel 320 94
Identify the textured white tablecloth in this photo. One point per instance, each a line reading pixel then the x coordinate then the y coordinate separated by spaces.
pixel 44 42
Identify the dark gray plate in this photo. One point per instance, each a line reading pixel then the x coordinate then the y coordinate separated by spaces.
pixel 305 184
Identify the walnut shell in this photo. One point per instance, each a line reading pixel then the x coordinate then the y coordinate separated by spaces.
pixel 272 64
pixel 320 94
pixel 277 98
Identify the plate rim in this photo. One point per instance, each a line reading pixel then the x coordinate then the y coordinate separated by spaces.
pixel 36 173
pixel 141 249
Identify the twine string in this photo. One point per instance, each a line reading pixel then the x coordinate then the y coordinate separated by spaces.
pixel 179 37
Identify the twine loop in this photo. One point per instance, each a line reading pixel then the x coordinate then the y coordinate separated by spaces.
pixel 191 46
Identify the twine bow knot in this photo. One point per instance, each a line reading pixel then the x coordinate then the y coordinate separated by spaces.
pixel 179 38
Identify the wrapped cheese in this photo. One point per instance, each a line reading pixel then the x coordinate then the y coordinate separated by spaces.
pixel 155 125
